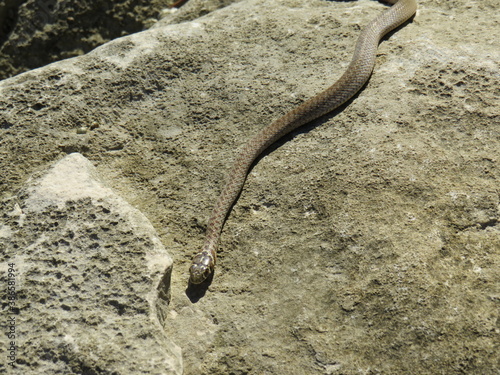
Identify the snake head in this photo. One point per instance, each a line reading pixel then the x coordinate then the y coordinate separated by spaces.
pixel 202 267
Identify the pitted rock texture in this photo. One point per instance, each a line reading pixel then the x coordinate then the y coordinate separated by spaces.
pixel 92 278
pixel 365 243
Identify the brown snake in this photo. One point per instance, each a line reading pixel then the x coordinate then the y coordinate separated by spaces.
pixel 348 84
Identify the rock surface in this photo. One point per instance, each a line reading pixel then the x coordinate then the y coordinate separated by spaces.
pixel 34 33
pixel 367 242
pixel 93 278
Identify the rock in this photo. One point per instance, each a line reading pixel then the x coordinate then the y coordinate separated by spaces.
pixel 366 242
pixel 37 32
pixel 191 10
pixel 93 279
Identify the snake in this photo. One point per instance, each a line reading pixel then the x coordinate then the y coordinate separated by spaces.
pixel 352 80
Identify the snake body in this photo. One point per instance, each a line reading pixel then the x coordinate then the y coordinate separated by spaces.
pixel 342 90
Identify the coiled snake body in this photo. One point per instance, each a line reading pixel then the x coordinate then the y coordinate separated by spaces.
pixel 348 84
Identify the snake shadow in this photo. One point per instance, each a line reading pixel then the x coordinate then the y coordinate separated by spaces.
pixel 197 291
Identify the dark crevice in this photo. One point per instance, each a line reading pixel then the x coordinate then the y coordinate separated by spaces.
pixel 490 223
pixel 8 18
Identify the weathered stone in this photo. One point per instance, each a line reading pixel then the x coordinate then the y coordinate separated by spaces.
pixel 34 33
pixel 367 242
pixel 93 278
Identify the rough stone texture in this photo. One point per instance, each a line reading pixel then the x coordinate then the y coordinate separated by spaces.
pixel 192 9
pixel 365 243
pixel 92 278
pixel 34 33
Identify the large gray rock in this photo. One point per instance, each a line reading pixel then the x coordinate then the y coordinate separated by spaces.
pixel 91 275
pixel 368 242
pixel 34 33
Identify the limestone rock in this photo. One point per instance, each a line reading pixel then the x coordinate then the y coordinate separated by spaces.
pixel 367 242
pixel 37 32
pixel 93 278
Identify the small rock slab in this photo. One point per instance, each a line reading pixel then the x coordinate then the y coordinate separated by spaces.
pixel 92 278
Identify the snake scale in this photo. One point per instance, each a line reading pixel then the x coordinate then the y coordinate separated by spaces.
pixel 353 79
